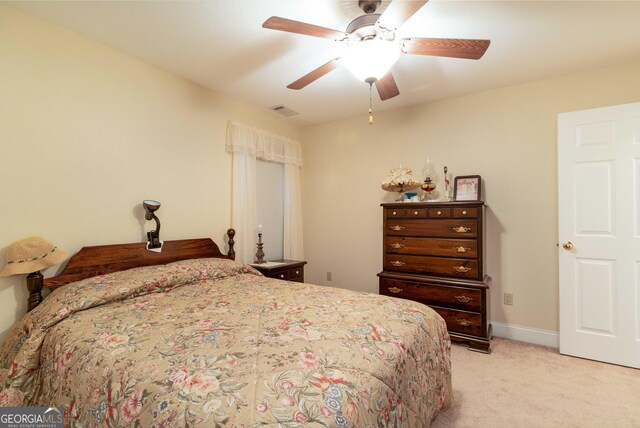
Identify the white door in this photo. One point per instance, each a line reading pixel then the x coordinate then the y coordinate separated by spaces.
pixel 599 233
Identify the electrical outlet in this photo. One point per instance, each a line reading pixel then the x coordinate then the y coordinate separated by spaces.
pixel 328 276
pixel 508 298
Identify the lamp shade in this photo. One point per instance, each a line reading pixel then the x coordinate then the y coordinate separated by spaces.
pixel 399 180
pixel 30 255
pixel 371 58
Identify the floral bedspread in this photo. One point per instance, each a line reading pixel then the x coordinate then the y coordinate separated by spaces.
pixel 211 342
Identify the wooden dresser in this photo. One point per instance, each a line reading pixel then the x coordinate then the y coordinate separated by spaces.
pixel 433 253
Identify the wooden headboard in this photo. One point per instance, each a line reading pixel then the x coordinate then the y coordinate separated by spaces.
pixel 104 259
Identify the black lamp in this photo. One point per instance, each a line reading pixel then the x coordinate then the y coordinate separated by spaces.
pixel 153 236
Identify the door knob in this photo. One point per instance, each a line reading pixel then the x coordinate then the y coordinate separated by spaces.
pixel 567 245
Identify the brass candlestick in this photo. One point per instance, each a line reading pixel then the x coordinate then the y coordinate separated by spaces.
pixel 260 254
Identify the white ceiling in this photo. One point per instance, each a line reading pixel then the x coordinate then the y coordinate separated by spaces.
pixel 221 45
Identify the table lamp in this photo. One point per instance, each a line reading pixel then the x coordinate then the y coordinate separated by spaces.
pixel 30 255
pixel 260 253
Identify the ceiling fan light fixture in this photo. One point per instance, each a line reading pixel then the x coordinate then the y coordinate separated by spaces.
pixel 372 46
pixel 371 58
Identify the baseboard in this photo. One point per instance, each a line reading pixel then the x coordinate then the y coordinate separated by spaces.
pixel 526 334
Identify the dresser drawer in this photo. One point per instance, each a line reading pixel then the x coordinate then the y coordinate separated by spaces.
pixel 436 228
pixel 460 248
pixel 282 274
pixel 461 321
pixel 415 213
pixel 465 213
pixel 459 268
pixel 432 294
pixel 394 212
pixel 440 212
pixel 406 213
pixel 296 274
pixel 292 274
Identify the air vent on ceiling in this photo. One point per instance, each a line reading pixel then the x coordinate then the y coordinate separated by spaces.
pixel 284 110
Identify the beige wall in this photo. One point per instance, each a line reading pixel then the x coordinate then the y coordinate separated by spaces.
pixel 508 136
pixel 87 133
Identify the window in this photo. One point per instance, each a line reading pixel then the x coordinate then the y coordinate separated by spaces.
pixel 270 206
pixel 276 189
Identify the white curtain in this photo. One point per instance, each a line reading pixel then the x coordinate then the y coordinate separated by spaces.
pixel 243 206
pixel 292 247
pixel 246 144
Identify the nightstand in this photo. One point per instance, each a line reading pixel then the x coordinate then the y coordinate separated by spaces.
pixel 288 270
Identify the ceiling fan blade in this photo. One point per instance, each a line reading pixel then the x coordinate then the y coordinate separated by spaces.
pixel 454 48
pixel 314 75
pixel 291 26
pixel 387 87
pixel 398 12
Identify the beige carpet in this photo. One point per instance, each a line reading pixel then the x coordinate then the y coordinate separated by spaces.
pixel 520 385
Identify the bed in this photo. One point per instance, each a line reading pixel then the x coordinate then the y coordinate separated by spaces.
pixel 194 338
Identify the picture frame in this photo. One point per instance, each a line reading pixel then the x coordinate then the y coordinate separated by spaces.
pixel 467 188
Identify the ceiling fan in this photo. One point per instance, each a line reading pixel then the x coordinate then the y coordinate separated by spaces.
pixel 372 44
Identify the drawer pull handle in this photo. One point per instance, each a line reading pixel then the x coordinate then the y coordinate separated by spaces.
pixel 394 213
pixel 281 275
pixel 461 269
pixel 397 228
pixel 461 249
pixel 395 290
pixel 415 213
pixel 461 229
pixel 464 299
pixel 297 272
pixel 464 322
pixel 397 245
pixel 397 263
pixel 439 212
pixel 464 213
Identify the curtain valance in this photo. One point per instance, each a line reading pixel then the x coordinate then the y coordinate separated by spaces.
pixel 254 142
